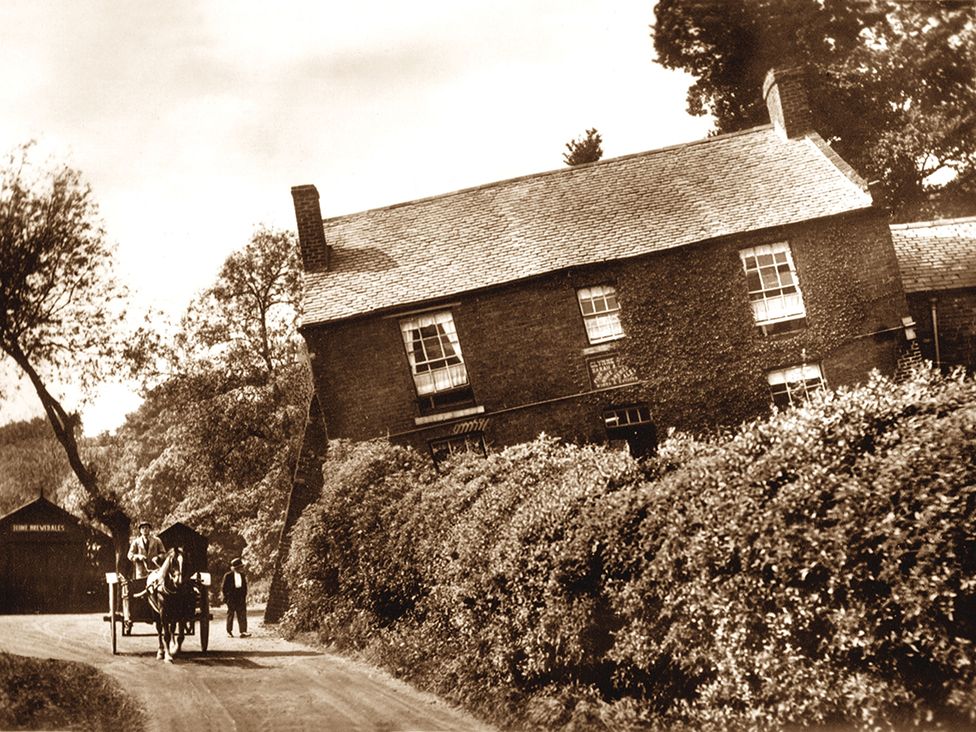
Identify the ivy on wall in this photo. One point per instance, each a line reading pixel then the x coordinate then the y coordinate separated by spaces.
pixel 691 339
pixel 691 334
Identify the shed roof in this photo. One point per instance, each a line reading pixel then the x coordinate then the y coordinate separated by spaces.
pixel 614 209
pixel 180 531
pixel 42 511
pixel 936 255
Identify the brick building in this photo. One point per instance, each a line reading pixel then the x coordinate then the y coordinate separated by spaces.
pixel 683 287
pixel 938 266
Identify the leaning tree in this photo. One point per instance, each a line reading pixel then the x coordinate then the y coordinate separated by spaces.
pixel 60 305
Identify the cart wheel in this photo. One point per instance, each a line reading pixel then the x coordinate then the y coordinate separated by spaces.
pixel 113 619
pixel 124 594
pixel 204 620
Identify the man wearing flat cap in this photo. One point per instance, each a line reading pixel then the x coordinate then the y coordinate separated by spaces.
pixel 145 551
pixel 234 590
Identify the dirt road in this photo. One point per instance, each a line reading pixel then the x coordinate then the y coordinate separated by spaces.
pixel 257 683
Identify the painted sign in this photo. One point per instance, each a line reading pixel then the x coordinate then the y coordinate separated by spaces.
pixel 38 527
pixel 609 371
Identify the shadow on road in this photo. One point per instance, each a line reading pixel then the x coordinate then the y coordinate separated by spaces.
pixel 238 660
pixel 260 654
pixel 226 661
pixel 241 659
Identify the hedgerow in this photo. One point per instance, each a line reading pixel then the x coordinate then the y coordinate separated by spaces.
pixel 817 567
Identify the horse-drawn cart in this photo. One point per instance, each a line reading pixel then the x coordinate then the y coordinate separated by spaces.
pixel 176 600
pixel 131 592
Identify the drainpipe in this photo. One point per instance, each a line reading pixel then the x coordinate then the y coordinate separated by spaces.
pixel 935 333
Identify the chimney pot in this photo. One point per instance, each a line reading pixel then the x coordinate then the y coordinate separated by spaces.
pixel 316 252
pixel 785 93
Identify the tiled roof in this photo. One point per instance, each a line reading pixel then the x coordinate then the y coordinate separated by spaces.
pixel 613 209
pixel 936 255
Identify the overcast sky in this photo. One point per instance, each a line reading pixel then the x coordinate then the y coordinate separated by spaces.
pixel 192 120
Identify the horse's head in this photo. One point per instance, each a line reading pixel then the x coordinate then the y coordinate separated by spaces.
pixel 171 570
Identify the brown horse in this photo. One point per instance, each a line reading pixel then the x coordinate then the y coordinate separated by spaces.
pixel 173 603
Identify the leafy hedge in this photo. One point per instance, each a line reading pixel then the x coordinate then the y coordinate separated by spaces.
pixel 817 567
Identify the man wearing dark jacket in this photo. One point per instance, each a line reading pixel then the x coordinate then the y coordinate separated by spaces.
pixel 234 591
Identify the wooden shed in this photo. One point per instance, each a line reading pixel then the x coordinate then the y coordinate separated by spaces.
pixel 194 545
pixel 50 562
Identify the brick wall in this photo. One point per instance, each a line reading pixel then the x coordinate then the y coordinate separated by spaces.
pixel 690 338
pixel 785 93
pixel 311 233
pixel 956 317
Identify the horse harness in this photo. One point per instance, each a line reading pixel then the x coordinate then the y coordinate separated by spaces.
pixel 162 581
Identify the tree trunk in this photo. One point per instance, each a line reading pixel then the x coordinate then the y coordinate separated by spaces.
pixel 104 508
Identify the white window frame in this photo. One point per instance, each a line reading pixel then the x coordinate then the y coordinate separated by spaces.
pixel 627 416
pixel 600 309
pixel 796 382
pixel 436 361
pixel 774 288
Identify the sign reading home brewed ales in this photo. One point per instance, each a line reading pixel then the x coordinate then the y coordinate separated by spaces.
pixel 610 370
pixel 37 527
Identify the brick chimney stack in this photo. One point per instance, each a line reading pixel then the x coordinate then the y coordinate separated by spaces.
pixel 316 252
pixel 785 92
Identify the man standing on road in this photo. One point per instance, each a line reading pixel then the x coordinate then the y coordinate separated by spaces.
pixel 145 550
pixel 234 591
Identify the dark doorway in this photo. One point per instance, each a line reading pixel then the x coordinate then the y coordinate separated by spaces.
pixel 632 424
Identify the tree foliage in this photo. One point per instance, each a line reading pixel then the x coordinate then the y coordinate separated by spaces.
pixel 892 84
pixel 213 444
pixel 584 149
pixel 248 318
pixel 60 304
pixel 32 463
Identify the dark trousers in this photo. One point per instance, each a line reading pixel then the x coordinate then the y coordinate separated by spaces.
pixel 241 612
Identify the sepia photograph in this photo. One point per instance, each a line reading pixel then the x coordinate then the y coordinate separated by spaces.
pixel 488 366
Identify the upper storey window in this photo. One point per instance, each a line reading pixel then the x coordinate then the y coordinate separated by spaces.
pixel 601 313
pixel 435 357
pixel 777 303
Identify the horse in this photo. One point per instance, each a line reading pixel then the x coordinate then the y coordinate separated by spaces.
pixel 172 602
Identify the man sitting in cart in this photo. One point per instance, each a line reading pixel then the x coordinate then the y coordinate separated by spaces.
pixel 145 551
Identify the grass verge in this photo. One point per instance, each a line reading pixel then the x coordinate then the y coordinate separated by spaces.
pixel 42 693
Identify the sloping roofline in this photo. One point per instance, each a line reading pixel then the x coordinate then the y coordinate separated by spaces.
pixel 562 171
pixel 933 223
pixel 43 500
pixel 510 230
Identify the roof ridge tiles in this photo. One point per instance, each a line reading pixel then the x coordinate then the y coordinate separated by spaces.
pixel 552 172
pixel 933 223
